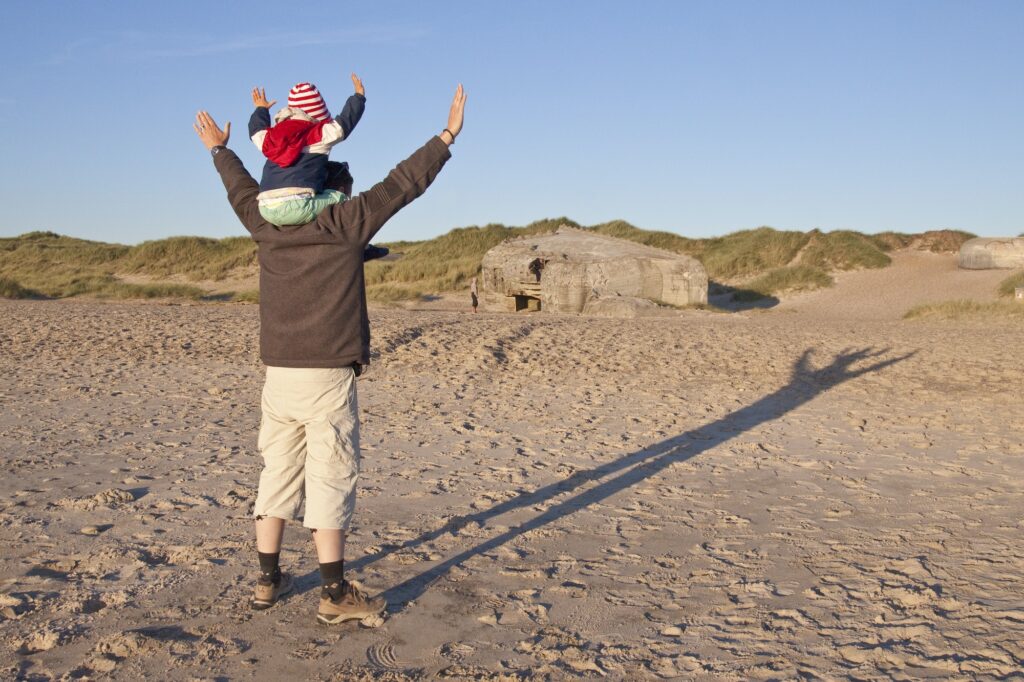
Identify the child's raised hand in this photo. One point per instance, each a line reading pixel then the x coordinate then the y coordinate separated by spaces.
pixel 259 98
pixel 358 85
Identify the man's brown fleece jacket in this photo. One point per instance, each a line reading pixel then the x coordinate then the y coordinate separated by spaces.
pixel 312 293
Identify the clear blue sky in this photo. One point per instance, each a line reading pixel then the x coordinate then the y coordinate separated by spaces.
pixel 695 117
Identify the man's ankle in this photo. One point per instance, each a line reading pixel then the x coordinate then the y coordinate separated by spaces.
pixel 270 569
pixel 331 577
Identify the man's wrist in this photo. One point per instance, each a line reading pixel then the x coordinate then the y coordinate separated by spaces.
pixel 447 137
pixel 217 149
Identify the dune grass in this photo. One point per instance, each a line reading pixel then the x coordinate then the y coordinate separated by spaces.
pixel 842 250
pixel 783 280
pixel 955 310
pixel 659 240
pixel 54 266
pixel 891 241
pixel 1008 285
pixel 195 258
pixel 943 241
pixel 247 296
pixel 746 253
pixel 11 289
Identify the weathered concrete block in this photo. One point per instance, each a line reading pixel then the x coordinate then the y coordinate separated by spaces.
pixel 985 253
pixel 563 271
pixel 622 306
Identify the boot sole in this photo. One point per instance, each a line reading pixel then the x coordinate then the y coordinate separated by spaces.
pixel 334 619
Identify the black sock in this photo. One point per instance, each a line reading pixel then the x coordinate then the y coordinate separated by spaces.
pixel 330 576
pixel 269 566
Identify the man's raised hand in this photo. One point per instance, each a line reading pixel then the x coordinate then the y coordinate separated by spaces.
pixel 259 98
pixel 456 112
pixel 208 131
pixel 358 85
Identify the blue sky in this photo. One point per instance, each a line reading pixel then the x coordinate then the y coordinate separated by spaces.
pixel 699 118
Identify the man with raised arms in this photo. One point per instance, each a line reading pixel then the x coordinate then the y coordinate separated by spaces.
pixel 314 340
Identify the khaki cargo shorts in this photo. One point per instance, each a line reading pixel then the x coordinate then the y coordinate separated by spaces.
pixel 309 439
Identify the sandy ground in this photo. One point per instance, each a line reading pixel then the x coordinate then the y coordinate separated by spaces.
pixel 914 278
pixel 771 495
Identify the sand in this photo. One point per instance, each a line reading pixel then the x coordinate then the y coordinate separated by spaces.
pixel 763 495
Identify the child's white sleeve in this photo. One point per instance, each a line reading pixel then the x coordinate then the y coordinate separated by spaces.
pixel 258 138
pixel 333 133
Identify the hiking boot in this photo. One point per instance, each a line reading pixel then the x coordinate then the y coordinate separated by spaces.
pixel 267 593
pixel 350 605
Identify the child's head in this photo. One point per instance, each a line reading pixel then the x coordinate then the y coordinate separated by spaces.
pixel 306 97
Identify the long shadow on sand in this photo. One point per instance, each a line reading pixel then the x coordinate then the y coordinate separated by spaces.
pixel 805 384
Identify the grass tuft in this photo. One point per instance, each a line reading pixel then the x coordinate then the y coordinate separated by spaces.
pixel 1008 285
pixel 247 296
pixel 389 293
pixel 786 279
pixel 954 310
pixel 11 289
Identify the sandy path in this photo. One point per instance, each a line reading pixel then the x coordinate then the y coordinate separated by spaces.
pixel 715 495
pixel 915 277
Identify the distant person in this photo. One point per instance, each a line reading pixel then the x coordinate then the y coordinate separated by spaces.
pixel 535 267
pixel 315 340
pixel 473 293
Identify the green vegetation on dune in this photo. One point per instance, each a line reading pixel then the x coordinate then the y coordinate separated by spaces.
pixel 842 250
pixel 891 241
pixel 747 253
pixel 942 241
pixel 11 289
pixel 936 241
pixel 49 265
pixel 659 240
pixel 784 279
pixel 196 258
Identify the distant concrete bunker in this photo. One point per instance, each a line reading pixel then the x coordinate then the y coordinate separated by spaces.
pixel 986 253
pixel 576 271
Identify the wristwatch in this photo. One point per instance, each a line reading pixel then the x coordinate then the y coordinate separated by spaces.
pixel 214 151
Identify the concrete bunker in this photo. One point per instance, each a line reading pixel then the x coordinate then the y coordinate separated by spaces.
pixel 986 253
pixel 577 271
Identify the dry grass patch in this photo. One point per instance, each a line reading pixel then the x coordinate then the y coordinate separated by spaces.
pixel 195 258
pixel 746 253
pixel 954 310
pixel 781 280
pixel 842 250
pixel 54 266
pixel 11 289
pixel 659 240
pixel 1007 286
pixel 942 241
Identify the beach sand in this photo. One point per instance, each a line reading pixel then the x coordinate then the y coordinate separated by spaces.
pixel 803 492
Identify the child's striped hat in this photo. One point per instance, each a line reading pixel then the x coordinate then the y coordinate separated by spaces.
pixel 305 96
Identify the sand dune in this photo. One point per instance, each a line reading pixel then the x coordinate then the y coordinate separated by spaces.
pixel 750 496
pixel 914 278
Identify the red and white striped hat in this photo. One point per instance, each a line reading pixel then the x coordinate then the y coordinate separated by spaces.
pixel 305 96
